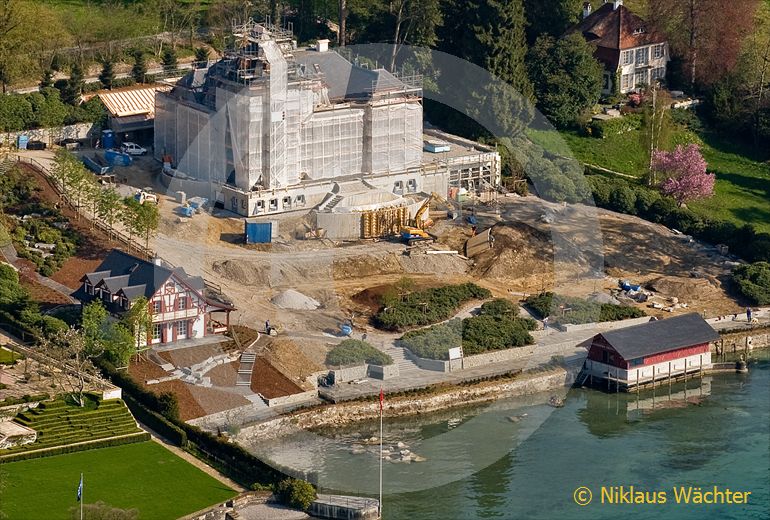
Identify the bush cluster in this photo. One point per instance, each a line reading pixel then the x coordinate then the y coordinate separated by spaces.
pixel 356 352
pixel 45 109
pixel 296 493
pixel 580 310
pixel 753 282
pixel 428 306
pixel 635 199
pixel 496 327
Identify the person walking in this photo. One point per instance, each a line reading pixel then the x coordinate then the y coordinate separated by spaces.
pixel 267 326
pixel 748 314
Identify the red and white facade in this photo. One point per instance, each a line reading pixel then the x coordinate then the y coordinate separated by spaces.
pixel 605 363
pixel 178 312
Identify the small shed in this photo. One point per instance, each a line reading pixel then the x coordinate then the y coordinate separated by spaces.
pixel 658 350
pixel 258 231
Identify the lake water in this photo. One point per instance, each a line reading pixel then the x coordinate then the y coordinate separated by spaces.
pixel 520 458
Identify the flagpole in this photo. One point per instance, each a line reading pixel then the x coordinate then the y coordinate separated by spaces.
pixel 381 399
pixel 81 496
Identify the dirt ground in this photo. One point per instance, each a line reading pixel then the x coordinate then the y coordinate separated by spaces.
pixel 270 382
pixel 93 246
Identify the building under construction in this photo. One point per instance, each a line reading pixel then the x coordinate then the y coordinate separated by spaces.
pixel 271 128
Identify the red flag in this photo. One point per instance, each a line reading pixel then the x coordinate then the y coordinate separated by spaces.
pixel 382 399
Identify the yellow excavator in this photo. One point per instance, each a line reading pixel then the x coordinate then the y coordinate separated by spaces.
pixel 415 233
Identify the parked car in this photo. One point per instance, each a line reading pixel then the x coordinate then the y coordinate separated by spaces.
pixel 35 145
pixel 133 149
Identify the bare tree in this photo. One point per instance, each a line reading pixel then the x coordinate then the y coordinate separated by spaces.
pixel 66 358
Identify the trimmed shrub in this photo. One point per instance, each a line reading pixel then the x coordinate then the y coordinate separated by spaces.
pixel 616 126
pixel 356 352
pixel 295 493
pixel 157 422
pixel 753 282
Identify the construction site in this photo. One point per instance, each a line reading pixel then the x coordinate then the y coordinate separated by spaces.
pixel 271 129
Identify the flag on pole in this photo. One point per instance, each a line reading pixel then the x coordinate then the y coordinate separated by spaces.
pixel 80 487
pixel 382 399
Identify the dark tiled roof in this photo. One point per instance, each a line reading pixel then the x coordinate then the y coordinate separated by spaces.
pixel 134 291
pixel 660 336
pixel 129 272
pixel 95 278
pixel 344 79
pixel 617 29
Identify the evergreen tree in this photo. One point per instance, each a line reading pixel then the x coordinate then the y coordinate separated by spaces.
pixel 139 70
pixel 201 54
pixel 169 60
pixel 107 76
pixel 566 77
pixel 47 80
pixel 552 17
pixel 75 85
pixel 490 34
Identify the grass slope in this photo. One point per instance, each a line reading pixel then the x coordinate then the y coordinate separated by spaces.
pixel 145 476
pixel 742 193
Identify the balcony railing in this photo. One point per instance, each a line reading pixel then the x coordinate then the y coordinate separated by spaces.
pixel 175 315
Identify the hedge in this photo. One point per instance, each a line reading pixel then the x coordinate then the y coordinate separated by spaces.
pixel 615 126
pixel 616 194
pixel 157 422
pixel 753 282
pixel 230 459
pixel 26 398
pixel 72 448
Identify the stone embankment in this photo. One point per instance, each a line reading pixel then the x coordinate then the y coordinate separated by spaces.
pixel 433 399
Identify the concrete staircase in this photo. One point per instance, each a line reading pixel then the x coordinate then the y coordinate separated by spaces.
pixel 245 368
pixel 406 367
pixel 330 203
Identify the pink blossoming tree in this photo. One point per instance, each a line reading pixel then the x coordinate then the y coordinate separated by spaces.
pixel 685 175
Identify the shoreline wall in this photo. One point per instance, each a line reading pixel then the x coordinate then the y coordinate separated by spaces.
pixel 341 414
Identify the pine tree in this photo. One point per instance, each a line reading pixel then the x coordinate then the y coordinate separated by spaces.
pixel 490 34
pixel 107 76
pixel 139 70
pixel 169 60
pixel 75 85
pixel 552 17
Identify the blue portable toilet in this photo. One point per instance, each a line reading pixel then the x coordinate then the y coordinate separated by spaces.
pixel 22 141
pixel 108 139
pixel 257 232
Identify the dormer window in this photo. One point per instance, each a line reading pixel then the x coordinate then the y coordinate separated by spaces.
pixel 89 288
pixel 639 30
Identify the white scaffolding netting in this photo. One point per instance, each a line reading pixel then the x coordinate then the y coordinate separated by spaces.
pixel 393 137
pixel 331 143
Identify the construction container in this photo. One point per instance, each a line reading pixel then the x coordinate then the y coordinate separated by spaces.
pixel 108 139
pixel 256 232
pixel 21 142
pixel 116 158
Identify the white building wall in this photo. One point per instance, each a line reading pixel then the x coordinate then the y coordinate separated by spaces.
pixel 630 74
pixel 647 373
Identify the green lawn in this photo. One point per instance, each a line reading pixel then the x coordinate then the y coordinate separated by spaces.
pixel 743 176
pixel 8 356
pixel 144 476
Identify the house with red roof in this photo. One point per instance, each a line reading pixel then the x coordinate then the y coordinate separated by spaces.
pixel 634 53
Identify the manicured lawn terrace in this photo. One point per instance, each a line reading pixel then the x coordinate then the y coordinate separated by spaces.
pixel 144 476
pixel 743 174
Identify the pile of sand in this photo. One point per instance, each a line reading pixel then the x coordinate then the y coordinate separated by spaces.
pixel 291 299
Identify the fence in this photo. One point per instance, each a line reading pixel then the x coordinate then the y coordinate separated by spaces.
pixel 111 232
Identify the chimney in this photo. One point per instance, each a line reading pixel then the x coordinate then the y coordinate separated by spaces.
pixel 586 9
pixel 617 4
pixel 322 45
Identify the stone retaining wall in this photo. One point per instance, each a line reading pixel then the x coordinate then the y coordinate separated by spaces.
pixel 346 413
pixel 303 397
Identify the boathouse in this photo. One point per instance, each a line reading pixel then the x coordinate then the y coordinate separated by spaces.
pixel 642 355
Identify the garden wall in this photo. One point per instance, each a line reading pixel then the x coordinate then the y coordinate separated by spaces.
pixel 348 374
pixel 50 135
pixel 605 325
pixel 495 356
pixel 301 398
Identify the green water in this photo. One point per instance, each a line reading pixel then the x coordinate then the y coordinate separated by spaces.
pixel 482 464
